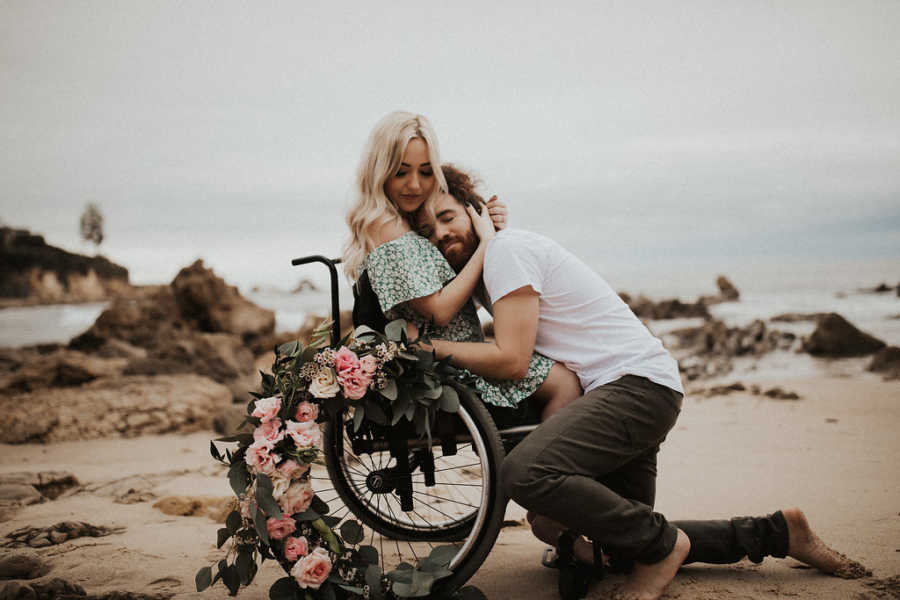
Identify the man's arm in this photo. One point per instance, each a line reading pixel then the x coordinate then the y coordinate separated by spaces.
pixel 515 329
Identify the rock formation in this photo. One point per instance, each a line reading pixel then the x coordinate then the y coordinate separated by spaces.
pixel 834 336
pixel 33 272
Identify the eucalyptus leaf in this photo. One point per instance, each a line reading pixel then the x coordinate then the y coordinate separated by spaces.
pixel 395 329
pixel 434 393
pixel 283 589
pixel 232 579
pixel 307 515
pixel 373 577
pixel 222 536
pixel 259 521
pixel 368 554
pixel 389 390
pixel 449 399
pixel 214 451
pixel 359 414
pixel 203 579
pixel 233 521
pixel 288 348
pixel 319 505
pixel 330 520
pixel 351 588
pixel 328 535
pixel 264 496
pixel 242 563
pixel 375 414
pixel 442 555
pixel 352 532
pixel 238 477
pixel 326 592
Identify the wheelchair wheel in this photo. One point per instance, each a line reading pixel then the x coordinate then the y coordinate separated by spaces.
pixel 464 506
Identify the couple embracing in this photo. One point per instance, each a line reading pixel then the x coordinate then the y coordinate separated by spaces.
pixel 609 392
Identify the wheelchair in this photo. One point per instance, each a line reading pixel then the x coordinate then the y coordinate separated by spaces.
pixel 409 495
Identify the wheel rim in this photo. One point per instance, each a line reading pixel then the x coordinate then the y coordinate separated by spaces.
pixel 457 505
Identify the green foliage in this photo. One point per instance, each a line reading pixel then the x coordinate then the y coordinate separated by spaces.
pixel 203 579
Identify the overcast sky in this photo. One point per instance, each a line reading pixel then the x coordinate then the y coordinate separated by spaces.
pixel 197 119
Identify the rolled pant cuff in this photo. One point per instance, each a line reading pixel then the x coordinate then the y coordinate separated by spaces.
pixel 661 547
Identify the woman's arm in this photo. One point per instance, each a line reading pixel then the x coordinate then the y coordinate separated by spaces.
pixel 443 305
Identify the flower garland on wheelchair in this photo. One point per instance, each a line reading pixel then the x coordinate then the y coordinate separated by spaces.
pixel 375 377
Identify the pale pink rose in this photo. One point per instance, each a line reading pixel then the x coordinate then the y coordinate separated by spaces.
pixel 368 364
pixel 324 384
pixel 280 484
pixel 280 528
pixel 311 570
pixel 307 411
pixel 297 498
pixel 305 435
pixel 259 457
pixel 295 547
pixel 291 469
pixel 355 385
pixel 345 360
pixel 267 409
pixel 270 431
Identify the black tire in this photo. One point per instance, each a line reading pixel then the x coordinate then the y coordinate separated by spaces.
pixel 477 533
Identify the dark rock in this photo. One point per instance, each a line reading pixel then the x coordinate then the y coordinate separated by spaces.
pixel 50 484
pixel 645 308
pixel 14 590
pixel 836 337
pixel 779 394
pixel 33 271
pixel 227 420
pixel 24 564
pixel 57 588
pixel 215 307
pixel 887 362
pixel 304 285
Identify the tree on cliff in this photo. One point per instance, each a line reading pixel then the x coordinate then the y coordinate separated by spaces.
pixel 92 224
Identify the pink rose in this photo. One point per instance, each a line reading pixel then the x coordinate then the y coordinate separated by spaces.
pixel 296 498
pixel 368 364
pixel 270 431
pixel 267 409
pixel 294 548
pixel 307 411
pixel 306 434
pixel 282 528
pixel 291 469
pixel 345 360
pixel 311 570
pixel 259 457
pixel 355 385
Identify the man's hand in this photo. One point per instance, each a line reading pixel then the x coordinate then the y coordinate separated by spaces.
pixel 498 212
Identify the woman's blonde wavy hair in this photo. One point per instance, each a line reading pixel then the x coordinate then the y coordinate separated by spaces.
pixel 381 159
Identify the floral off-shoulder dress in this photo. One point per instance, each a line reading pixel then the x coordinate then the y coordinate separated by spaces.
pixel 411 267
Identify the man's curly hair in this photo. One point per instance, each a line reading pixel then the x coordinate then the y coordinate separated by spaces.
pixel 461 186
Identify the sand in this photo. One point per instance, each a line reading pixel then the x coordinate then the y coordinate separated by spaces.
pixel 833 453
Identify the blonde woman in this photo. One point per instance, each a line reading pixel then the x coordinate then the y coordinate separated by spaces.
pixel 399 171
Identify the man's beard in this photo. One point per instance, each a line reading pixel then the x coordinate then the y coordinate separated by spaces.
pixel 460 250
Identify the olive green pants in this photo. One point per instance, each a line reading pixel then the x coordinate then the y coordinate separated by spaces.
pixel 592 467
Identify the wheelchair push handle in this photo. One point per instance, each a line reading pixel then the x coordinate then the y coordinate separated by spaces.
pixel 335 304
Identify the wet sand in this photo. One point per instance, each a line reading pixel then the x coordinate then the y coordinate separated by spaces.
pixel 833 453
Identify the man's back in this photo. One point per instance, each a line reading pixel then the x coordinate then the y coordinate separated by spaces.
pixel 582 322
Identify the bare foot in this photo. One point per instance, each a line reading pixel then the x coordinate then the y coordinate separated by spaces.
pixel 805 546
pixel 648 582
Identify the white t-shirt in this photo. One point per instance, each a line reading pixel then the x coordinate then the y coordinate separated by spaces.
pixel 582 322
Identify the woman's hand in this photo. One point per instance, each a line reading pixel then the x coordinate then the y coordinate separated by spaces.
pixel 498 212
pixel 482 224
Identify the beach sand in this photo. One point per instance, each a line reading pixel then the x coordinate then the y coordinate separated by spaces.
pixel 833 453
